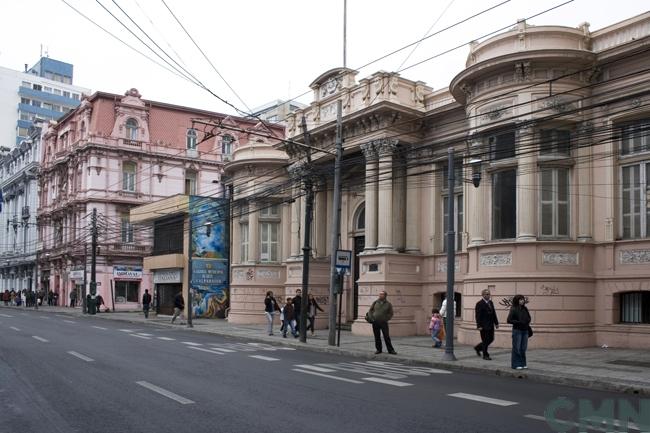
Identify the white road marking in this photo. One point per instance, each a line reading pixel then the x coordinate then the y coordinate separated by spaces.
pixel 164 392
pixel 166 338
pixel 342 379
pixel 14 328
pixel 40 339
pixel 128 330
pixel 263 346
pixel 223 350
pixel 286 348
pixel 387 381
pixel 411 370
pixel 314 368
pixel 189 343
pixel 100 327
pixel 5 315
pixel 145 335
pixel 483 399
pixel 140 336
pixel 69 321
pixel 205 350
pixel 80 356
pixel 263 358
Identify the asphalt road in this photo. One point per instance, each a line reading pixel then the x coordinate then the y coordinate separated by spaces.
pixel 61 373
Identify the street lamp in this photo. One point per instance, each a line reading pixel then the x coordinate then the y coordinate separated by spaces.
pixel 475 163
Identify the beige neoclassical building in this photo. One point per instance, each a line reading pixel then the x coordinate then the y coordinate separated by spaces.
pixel 559 119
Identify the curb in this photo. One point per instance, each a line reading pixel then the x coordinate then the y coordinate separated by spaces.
pixel 539 377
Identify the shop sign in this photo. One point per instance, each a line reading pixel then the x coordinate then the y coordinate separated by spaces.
pixel 127 272
pixel 164 276
pixel 77 274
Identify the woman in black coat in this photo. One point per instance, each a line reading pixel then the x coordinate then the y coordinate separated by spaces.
pixel 519 318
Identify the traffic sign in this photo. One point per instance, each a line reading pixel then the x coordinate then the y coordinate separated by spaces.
pixel 343 259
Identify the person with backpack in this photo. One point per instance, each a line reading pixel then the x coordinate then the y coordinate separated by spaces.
pixel 381 311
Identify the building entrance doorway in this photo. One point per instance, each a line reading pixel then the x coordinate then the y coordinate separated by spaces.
pixel 164 297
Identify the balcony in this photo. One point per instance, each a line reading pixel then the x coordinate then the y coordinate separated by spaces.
pixel 128 248
pixel 132 143
pixel 25 212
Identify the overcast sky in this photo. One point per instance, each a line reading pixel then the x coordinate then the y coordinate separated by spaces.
pixel 267 50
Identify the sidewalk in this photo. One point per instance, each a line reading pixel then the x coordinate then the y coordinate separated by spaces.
pixel 621 370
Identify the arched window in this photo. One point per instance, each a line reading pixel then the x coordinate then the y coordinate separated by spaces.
pixel 191 138
pixel 128 176
pixel 132 129
pixel 226 146
pixel 361 219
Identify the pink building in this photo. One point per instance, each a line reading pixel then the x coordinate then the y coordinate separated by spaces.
pixel 113 153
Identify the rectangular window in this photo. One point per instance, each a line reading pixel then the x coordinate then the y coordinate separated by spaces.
pixel 26 101
pixel 269 241
pixel 168 236
pixel 36 103
pixel 635 137
pixel 56 91
pixel 190 183
pixel 128 177
pixel 635 307
pixel 554 202
pixel 47 89
pixel 24 116
pixel 126 291
pixel 37 87
pixel 635 187
pixel 555 141
pixel 272 211
pixel 23 132
pixel 458 221
pixel 126 229
pixel 504 204
pixel 75 96
pixel 244 242
pixel 47 105
pixel 502 145
pixel 26 84
pixel 66 94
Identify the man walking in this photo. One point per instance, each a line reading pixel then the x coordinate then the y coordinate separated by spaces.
pixel 381 311
pixel 297 308
pixel 486 322
pixel 179 305
pixel 73 298
pixel 146 303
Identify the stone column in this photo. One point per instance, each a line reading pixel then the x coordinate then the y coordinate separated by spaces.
pixel 585 210
pixel 370 153
pixel 413 203
pixel 526 187
pixel 477 211
pixel 399 205
pixel 236 238
pixel 295 225
pixel 320 220
pixel 253 233
pixel 286 231
pixel 385 149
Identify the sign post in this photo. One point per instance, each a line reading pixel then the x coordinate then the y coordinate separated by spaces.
pixel 343 264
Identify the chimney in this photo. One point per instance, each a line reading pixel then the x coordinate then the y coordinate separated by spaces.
pixel 25 67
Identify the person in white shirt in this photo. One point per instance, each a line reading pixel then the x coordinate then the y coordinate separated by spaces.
pixel 443 311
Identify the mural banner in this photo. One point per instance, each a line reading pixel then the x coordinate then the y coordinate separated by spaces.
pixel 210 254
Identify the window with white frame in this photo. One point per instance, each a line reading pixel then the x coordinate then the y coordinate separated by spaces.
pixel 126 229
pixel 226 146
pixel 554 203
pixel 270 211
pixel 190 138
pixel 635 213
pixel 244 241
pixel 127 291
pixel 128 176
pixel 190 182
pixel 555 142
pixel 635 137
pixel 131 129
pixel 504 204
pixel 269 241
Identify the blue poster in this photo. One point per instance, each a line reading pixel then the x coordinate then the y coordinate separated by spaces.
pixel 210 255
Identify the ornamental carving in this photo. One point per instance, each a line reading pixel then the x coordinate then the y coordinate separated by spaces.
pixel 238 275
pixel 268 274
pixel 495 112
pixel 369 151
pixel 557 104
pixel 560 258
pixel 441 267
pixel 496 259
pixel 522 71
pixel 330 87
pixel 635 257
pixel 385 146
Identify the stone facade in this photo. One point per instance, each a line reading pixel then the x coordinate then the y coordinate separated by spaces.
pixel 558 118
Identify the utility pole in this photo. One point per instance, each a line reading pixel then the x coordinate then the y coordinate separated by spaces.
pixel 84 302
pixel 451 259
pixel 306 249
pixel 189 268
pixel 93 262
pixel 336 226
